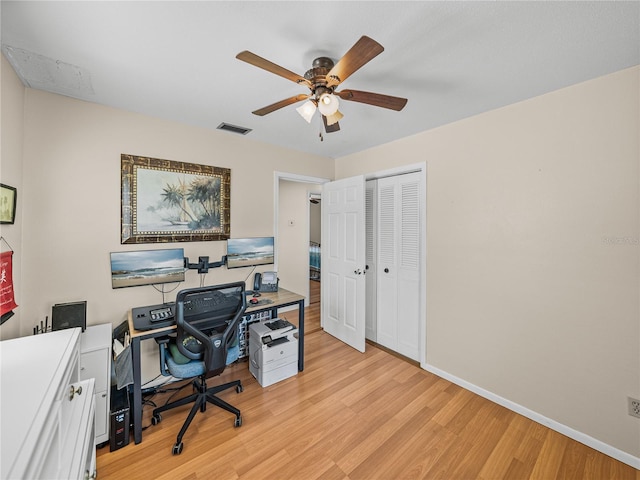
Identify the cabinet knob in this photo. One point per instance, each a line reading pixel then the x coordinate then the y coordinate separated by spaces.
pixel 73 391
pixel 386 270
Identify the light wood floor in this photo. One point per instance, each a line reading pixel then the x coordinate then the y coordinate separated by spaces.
pixel 355 416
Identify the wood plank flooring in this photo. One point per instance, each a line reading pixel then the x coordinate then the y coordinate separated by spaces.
pixel 355 416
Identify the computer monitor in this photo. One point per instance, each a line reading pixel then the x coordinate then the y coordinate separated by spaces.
pixel 147 267
pixel 249 252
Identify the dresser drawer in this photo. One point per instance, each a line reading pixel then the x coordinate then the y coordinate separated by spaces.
pixel 70 381
pixel 77 437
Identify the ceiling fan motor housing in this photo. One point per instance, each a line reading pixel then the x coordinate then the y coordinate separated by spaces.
pixel 317 75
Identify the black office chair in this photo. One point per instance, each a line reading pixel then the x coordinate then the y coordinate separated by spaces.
pixel 206 341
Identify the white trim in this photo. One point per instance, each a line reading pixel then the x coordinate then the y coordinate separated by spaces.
pixel 414 167
pixel 294 177
pixel 576 435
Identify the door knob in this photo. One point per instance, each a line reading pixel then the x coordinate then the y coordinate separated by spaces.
pixel 73 391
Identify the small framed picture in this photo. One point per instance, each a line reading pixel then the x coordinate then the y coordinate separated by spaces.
pixel 7 204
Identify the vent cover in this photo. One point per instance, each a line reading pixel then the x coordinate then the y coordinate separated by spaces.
pixel 233 128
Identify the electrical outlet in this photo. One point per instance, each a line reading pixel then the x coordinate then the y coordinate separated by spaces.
pixel 634 407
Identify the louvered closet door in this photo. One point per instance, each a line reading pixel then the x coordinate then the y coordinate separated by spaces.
pixel 371 260
pixel 398 264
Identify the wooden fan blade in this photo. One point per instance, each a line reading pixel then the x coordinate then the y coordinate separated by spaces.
pixel 375 99
pixel 265 64
pixel 278 105
pixel 362 52
pixel 330 128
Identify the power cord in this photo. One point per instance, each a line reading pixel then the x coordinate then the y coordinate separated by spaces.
pixel 163 291
pixel 247 278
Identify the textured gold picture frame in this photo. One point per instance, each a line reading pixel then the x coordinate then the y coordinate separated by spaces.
pixel 169 201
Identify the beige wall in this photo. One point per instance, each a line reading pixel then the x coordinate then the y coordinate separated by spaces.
pixel 11 139
pixel 293 255
pixel 71 202
pixel 532 219
pixel 533 289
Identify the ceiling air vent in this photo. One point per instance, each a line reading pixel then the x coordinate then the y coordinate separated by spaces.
pixel 233 128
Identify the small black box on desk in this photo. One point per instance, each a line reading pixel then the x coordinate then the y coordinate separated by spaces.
pixel 119 418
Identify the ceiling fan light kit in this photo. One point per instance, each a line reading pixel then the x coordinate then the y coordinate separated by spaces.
pixel 306 110
pixel 328 104
pixel 323 79
pixel 334 119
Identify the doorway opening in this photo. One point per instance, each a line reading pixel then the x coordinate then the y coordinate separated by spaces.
pixel 295 228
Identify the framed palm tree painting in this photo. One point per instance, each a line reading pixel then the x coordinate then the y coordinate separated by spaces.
pixel 170 201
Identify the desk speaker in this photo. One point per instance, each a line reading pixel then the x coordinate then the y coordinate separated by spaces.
pixel 69 315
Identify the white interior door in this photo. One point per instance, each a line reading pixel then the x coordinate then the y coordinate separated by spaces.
pixel 343 260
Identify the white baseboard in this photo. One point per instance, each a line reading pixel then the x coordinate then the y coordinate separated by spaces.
pixel 541 419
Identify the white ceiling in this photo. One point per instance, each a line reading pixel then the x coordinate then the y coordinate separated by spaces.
pixel 176 60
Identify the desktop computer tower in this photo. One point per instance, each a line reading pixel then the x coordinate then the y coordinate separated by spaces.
pixel 119 419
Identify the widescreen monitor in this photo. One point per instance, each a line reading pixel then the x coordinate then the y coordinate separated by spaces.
pixel 147 267
pixel 249 252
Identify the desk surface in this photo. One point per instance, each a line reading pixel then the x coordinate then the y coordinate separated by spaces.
pixel 278 299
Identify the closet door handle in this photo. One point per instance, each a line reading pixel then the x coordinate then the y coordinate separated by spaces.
pixel 386 270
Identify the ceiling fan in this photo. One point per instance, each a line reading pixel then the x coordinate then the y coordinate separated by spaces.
pixel 322 80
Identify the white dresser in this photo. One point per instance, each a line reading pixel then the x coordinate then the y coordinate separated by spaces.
pixel 46 412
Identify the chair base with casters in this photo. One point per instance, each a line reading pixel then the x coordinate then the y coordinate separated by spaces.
pixel 172 364
pixel 199 399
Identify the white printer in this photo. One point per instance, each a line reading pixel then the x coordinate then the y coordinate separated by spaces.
pixel 273 351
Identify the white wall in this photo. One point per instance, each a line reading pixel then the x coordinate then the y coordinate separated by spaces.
pixel 533 241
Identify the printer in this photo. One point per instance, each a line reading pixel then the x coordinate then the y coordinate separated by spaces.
pixel 273 351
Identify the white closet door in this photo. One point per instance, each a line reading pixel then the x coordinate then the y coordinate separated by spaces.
pixel 371 259
pixel 387 299
pixel 408 266
pixel 399 264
